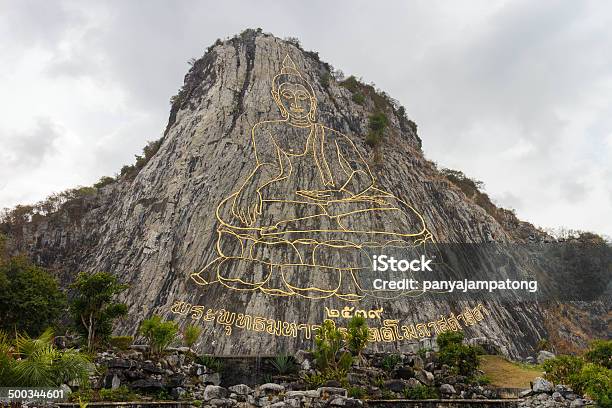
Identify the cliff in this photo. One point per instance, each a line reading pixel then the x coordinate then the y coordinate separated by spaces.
pixel 160 224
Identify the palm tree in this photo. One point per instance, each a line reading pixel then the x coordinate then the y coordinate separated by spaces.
pixel 36 362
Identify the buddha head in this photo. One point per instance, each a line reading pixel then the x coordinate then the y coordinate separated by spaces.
pixel 293 94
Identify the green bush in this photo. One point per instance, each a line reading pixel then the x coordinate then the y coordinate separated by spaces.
pixel 118 394
pixel 420 392
pixel 378 122
pixel 30 297
pixel 357 335
pixel 329 348
pixel 121 342
pixel 158 333
pixel 482 380
pixel 191 335
pixel 390 361
pixel 448 338
pixel 350 83
pixel 283 363
pixel 357 392
pixel 319 378
pixel 358 98
pixel 422 352
pixel 211 362
pixel 562 369
pixel 596 382
pixel 36 362
pixel 600 353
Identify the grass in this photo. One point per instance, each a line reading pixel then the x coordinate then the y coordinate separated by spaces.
pixel 504 373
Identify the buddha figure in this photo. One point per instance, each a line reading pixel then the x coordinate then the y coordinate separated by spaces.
pixel 309 214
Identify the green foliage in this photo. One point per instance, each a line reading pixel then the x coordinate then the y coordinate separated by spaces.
pixel 158 333
pixel 600 353
pixel 121 342
pixel 356 392
pixel 30 298
pixel 590 378
pixel 357 335
pixel 350 83
pixel 191 334
pixel 329 352
pixel 596 382
pixel 390 361
pixel 82 396
pixel 422 352
pixel 448 338
pixel 104 181
pixel 358 98
pixel 378 122
pixel 283 363
pixel 210 362
pixel 331 374
pixel 121 393
pixel 93 308
pixel 562 369
pixel 420 392
pixel 36 362
pixel 131 171
pixel 462 358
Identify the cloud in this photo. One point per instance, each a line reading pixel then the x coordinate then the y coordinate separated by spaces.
pixel 516 94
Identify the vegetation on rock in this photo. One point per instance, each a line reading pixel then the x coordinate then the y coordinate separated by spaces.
pixel 158 333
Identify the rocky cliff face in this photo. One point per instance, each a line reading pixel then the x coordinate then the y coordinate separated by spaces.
pixel 156 230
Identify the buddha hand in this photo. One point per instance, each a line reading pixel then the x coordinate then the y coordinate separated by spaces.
pixel 247 208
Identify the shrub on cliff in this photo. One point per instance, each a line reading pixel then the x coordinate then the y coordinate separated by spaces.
pixel 329 349
pixel 357 335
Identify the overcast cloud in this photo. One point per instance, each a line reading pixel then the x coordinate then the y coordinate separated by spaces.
pixel 517 94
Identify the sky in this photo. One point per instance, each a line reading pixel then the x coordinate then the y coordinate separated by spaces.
pixel 517 94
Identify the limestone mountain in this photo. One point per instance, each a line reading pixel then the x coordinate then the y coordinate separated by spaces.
pixel 273 183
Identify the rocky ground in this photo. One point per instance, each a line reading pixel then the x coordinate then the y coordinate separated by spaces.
pixel 544 394
pixel 181 375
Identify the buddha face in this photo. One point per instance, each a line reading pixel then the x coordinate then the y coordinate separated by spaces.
pixel 295 100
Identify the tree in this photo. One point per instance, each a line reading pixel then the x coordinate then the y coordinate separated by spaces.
pixel 30 298
pixel 357 335
pixel 159 333
pixel 191 335
pixel 93 308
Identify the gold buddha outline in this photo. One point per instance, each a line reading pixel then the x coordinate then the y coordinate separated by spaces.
pixel 271 235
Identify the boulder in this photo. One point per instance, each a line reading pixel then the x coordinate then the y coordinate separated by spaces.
pixel 240 389
pixel 544 355
pixel 396 385
pixel 210 378
pixel 447 389
pixel 214 392
pixel 178 392
pixel 577 403
pixel 541 385
pixel 557 397
pixel 119 363
pixel 424 377
pixel 271 388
